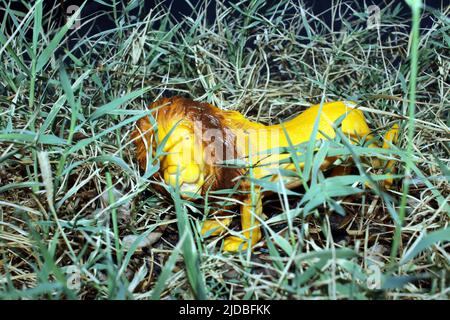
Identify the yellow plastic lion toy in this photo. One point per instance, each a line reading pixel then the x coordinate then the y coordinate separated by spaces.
pixel 197 138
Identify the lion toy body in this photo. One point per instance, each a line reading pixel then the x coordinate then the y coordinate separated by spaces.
pixel 196 139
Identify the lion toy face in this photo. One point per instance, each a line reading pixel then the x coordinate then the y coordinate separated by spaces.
pixel 191 136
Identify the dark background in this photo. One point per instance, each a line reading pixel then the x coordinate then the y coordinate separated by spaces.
pixel 103 18
pixel 180 8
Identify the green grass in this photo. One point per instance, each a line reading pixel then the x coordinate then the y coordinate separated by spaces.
pixel 71 191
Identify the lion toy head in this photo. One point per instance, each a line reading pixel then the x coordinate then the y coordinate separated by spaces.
pixel 193 138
